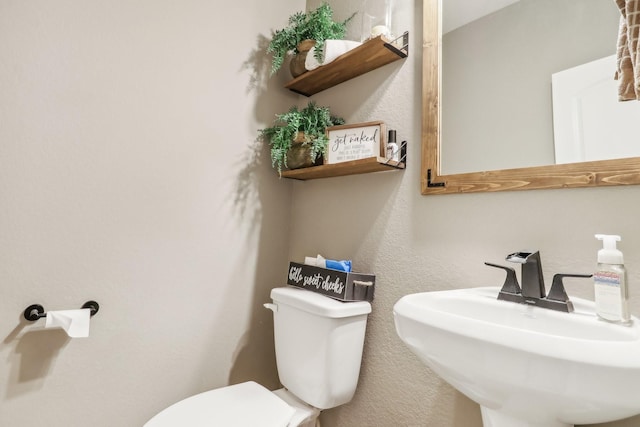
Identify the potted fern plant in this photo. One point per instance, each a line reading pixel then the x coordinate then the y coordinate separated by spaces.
pixel 313 28
pixel 298 138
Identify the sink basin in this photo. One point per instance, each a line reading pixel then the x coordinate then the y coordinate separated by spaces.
pixel 526 366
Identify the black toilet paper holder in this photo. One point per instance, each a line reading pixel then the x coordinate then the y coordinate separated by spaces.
pixel 36 311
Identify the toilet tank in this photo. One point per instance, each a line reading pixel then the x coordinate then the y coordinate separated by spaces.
pixel 318 342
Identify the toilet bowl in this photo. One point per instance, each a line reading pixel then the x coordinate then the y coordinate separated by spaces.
pixel 318 342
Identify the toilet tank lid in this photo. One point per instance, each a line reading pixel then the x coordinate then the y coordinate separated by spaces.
pixel 316 303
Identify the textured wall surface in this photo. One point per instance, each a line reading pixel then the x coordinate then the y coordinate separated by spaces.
pixel 417 243
pixel 128 176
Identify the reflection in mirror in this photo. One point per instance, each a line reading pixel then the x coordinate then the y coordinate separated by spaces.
pixel 510 133
pixel 497 82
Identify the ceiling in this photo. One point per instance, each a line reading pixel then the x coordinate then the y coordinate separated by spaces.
pixel 457 13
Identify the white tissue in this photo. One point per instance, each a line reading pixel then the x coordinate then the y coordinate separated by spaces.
pixel 332 50
pixel 74 322
pixel 318 261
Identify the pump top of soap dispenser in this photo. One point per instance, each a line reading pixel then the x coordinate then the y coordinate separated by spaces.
pixel 609 254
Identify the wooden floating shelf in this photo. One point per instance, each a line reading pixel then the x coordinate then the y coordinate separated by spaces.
pixel 353 167
pixel 368 56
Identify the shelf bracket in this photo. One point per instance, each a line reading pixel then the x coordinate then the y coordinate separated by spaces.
pixel 433 184
pixel 400 45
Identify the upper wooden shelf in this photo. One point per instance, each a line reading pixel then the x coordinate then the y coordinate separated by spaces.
pixel 368 56
pixel 353 167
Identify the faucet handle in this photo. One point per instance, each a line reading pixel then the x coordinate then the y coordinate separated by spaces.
pixel 510 282
pixel 557 292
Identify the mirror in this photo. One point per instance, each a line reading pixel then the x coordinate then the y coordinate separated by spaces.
pixel 435 180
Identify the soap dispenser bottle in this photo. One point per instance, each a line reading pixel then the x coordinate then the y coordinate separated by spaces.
pixel 610 282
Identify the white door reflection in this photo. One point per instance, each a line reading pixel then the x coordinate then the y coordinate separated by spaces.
pixel 589 123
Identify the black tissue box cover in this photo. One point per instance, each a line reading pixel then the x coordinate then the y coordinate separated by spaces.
pixel 336 284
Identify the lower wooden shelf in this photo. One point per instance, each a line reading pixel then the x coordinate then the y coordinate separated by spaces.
pixel 353 167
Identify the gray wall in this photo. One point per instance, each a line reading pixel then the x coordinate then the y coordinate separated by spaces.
pixel 417 243
pixel 129 175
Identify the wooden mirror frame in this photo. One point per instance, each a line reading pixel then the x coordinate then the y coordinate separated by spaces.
pixel 572 175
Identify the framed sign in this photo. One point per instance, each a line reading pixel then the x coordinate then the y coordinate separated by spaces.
pixel 357 141
pixel 333 283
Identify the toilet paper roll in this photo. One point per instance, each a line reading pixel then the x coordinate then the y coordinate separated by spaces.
pixel 74 322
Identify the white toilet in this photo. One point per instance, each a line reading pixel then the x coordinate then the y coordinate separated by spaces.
pixel 318 342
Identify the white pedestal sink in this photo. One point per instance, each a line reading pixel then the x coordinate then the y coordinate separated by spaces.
pixel 526 366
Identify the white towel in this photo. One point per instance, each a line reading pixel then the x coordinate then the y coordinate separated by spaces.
pixel 628 73
pixel 332 50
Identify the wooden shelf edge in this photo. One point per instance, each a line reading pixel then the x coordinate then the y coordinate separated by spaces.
pixel 368 56
pixel 353 167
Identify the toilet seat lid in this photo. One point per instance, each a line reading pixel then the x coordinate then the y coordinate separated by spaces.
pixel 246 404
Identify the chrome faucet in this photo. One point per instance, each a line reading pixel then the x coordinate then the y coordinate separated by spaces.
pixel 533 291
